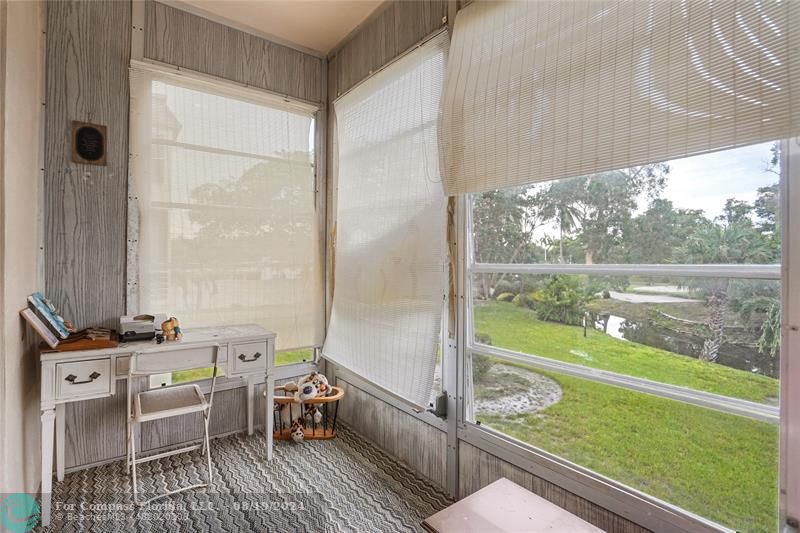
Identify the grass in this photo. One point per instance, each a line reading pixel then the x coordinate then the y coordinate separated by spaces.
pixel 516 328
pixel 281 358
pixel 719 466
pixel 195 374
pixel 294 356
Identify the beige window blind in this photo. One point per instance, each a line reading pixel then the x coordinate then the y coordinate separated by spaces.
pixel 390 277
pixel 223 183
pixel 549 89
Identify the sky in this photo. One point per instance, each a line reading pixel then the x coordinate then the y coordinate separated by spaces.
pixel 706 181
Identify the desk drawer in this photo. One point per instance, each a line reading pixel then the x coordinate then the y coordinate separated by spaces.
pixel 250 358
pixel 78 379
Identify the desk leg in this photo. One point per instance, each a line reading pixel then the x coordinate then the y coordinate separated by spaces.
pixel 48 423
pixel 61 434
pixel 269 385
pixel 251 403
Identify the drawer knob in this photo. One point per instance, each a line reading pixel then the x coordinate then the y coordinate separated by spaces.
pixel 72 377
pixel 243 357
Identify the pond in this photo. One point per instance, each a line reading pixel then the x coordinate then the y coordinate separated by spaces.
pixel 650 334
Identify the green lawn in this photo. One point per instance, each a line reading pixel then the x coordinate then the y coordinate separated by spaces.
pixel 516 328
pixel 719 466
pixel 281 358
pixel 722 467
pixel 294 356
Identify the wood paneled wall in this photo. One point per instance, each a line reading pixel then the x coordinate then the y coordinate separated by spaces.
pixel 87 56
pixel 421 446
pixel 478 468
pixel 391 31
pixel 186 40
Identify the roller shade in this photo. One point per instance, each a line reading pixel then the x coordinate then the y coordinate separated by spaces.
pixel 390 277
pixel 550 89
pixel 222 193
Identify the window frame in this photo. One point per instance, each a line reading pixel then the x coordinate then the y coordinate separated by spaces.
pixel 626 501
pixel 319 123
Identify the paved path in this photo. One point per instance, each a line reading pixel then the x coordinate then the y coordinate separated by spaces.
pixel 649 298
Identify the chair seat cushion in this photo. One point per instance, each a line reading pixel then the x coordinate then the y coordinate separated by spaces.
pixel 166 402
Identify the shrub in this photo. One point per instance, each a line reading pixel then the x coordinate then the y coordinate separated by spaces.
pixel 523 300
pixel 505 297
pixel 560 300
pixel 480 367
pixel 529 284
pixel 503 286
pixel 483 338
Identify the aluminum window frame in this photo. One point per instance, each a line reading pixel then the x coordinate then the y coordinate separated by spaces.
pixel 635 505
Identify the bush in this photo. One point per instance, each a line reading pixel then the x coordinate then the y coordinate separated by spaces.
pixel 505 297
pixel 503 286
pixel 480 367
pixel 523 300
pixel 483 338
pixel 561 301
pixel 529 284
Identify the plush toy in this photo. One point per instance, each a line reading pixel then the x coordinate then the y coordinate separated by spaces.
pixel 172 329
pixel 307 388
pixel 298 431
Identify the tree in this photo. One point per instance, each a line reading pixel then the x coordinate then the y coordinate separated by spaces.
pixel 653 236
pixel 735 212
pixel 503 224
pixel 557 203
pixel 712 243
pixel 597 208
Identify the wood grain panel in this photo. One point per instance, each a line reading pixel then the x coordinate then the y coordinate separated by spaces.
pixel 95 429
pixel 179 38
pixel 419 445
pixel 88 49
pixel 479 468
pixel 383 37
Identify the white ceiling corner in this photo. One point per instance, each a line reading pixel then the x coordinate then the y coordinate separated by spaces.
pixel 317 25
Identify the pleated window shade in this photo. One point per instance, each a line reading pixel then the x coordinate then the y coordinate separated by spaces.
pixel 227 226
pixel 390 276
pixel 550 89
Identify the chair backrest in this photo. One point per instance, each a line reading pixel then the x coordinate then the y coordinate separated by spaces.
pixel 173 358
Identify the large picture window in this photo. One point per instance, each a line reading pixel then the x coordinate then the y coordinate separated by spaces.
pixel 629 322
pixel 228 228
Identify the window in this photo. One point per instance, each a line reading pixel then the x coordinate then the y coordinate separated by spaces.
pixel 629 322
pixel 391 255
pixel 228 229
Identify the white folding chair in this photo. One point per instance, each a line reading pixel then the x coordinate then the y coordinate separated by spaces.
pixel 167 402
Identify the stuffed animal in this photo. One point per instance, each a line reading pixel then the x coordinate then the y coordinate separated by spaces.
pixel 172 329
pixel 298 431
pixel 308 387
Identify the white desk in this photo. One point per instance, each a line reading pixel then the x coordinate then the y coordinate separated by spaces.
pixel 246 352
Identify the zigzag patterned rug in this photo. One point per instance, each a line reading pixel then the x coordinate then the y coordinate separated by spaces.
pixel 343 484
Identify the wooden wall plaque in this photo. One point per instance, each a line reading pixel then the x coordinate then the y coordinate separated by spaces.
pixel 88 143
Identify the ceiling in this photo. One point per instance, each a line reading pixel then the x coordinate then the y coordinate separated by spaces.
pixel 316 24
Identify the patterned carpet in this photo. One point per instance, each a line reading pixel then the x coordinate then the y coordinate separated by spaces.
pixel 343 484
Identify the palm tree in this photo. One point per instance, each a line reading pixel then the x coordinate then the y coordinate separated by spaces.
pixel 736 243
pixel 558 204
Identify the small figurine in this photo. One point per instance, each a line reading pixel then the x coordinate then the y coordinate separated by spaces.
pixel 172 329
